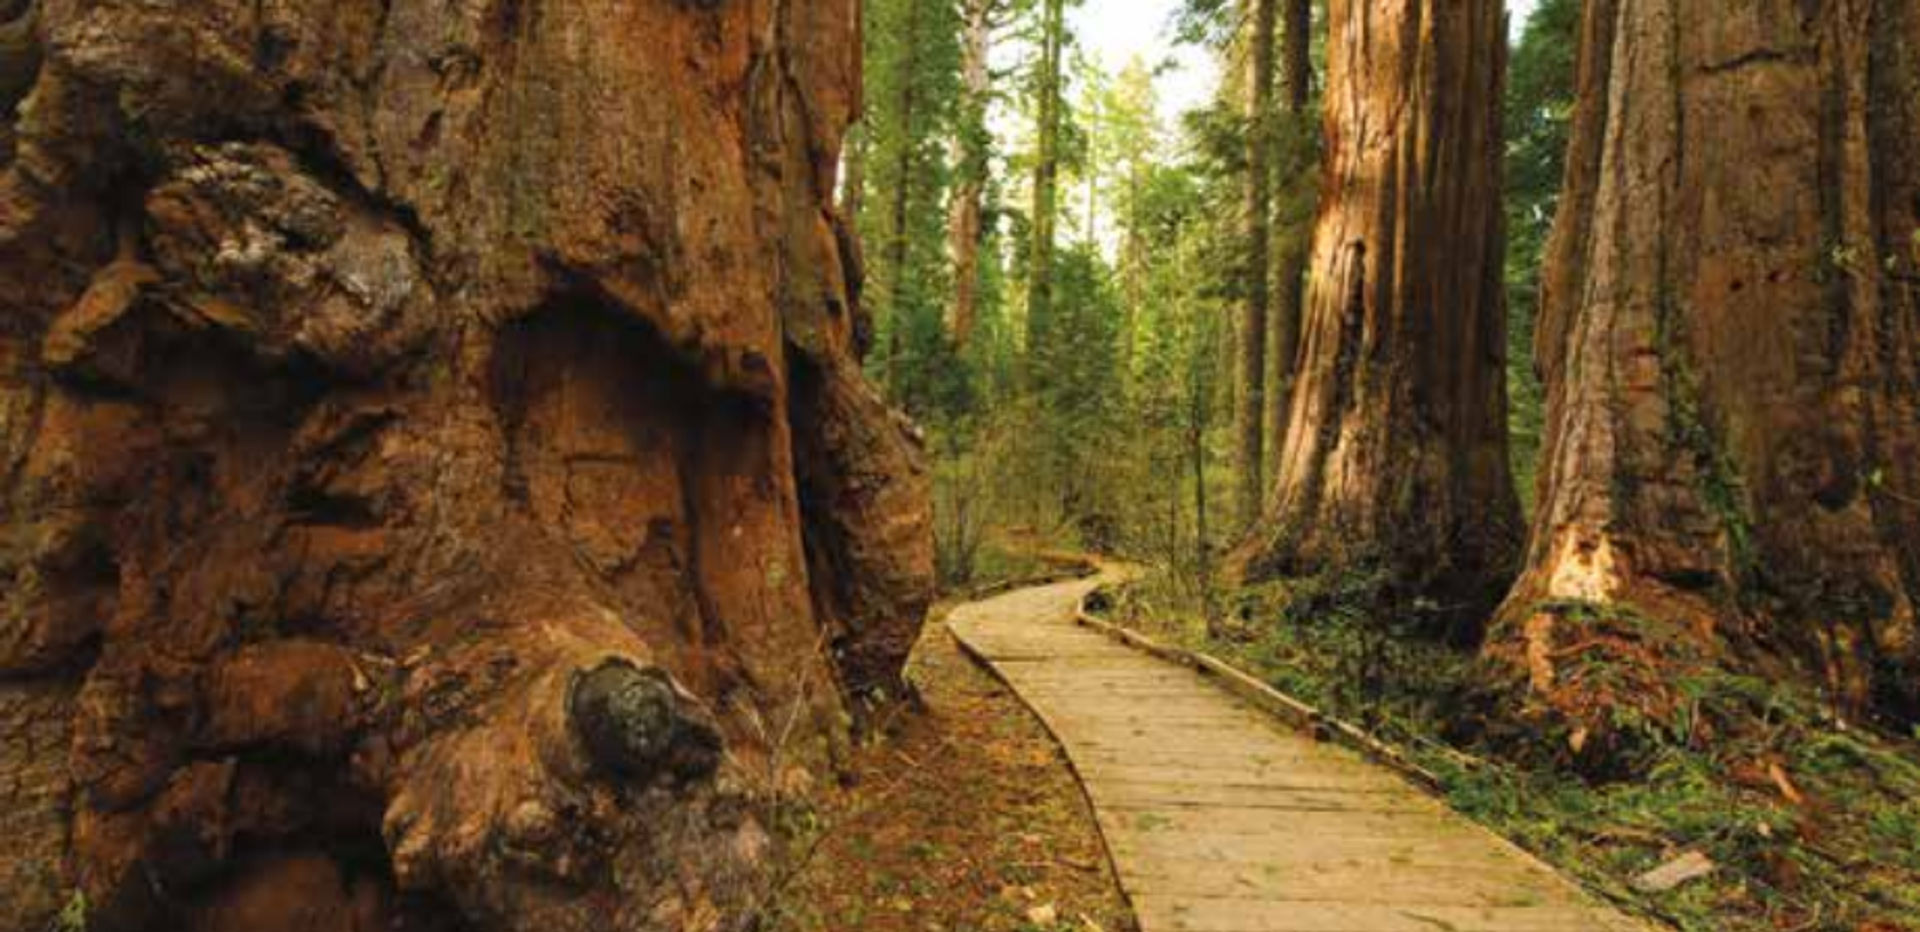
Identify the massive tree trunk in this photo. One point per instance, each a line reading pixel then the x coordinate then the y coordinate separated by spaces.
pixel 1250 409
pixel 437 487
pixel 1396 455
pixel 1290 241
pixel 1729 340
pixel 970 154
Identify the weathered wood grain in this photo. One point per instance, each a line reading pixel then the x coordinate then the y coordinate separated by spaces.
pixel 1220 819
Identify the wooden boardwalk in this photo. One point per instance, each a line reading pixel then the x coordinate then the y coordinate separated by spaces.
pixel 1219 819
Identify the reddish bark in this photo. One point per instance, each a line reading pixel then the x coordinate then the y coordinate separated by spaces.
pixel 428 434
pixel 1396 450
pixel 1729 341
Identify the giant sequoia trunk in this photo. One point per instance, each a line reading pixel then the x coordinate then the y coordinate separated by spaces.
pixel 1395 455
pixel 437 489
pixel 1729 341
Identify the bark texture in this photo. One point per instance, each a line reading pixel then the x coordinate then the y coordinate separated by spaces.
pixel 438 492
pixel 1396 452
pixel 1729 341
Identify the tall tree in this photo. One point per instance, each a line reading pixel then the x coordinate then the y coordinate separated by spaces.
pixel 1048 107
pixel 1134 140
pixel 972 154
pixel 1396 452
pixel 431 498
pixel 912 95
pixel 1293 214
pixel 1729 338
pixel 1539 109
pixel 1250 400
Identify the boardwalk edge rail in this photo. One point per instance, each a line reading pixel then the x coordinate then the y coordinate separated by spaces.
pixel 1292 711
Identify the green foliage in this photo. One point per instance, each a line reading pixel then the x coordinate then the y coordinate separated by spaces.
pixel 1539 112
pixel 1085 407
pixel 73 914
pixel 912 94
pixel 1090 420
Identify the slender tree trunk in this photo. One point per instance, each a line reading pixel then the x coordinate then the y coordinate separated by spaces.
pixel 970 154
pixel 1046 174
pixel 1250 410
pixel 1202 552
pixel 1728 339
pixel 1093 194
pixel 484 545
pixel 1290 246
pixel 1396 453
pixel 1133 262
pixel 899 236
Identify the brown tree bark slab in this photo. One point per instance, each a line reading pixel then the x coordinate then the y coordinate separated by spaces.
pixel 1729 339
pixel 436 483
pixel 1396 450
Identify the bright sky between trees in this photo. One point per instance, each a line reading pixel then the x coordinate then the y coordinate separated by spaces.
pixel 1114 31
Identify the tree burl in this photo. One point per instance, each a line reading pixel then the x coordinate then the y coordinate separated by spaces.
pixel 439 490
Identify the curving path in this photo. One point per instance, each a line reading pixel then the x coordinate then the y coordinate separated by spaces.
pixel 1219 819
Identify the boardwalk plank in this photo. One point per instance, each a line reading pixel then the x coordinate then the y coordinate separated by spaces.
pixel 1221 820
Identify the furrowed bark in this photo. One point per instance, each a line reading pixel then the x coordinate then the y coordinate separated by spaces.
pixel 1729 339
pixel 1395 456
pixel 437 488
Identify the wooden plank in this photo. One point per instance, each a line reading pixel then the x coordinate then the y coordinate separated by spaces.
pixel 1255 914
pixel 1133 796
pixel 1374 881
pixel 1421 846
pixel 1251 828
pixel 1221 818
pixel 1313 777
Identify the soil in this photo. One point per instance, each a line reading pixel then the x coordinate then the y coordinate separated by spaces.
pixel 962 815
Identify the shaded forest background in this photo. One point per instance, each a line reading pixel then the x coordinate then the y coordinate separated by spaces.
pixel 1098 318
pixel 1105 415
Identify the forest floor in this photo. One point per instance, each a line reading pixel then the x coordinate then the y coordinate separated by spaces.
pixel 962 817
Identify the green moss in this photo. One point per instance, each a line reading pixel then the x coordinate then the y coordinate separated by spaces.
pixel 1718 477
pixel 73 915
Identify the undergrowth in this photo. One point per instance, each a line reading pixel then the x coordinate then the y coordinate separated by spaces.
pixel 1813 828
